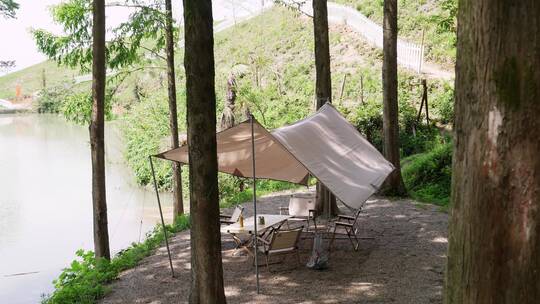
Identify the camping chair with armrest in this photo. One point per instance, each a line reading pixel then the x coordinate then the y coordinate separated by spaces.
pixel 302 209
pixel 233 218
pixel 346 223
pixel 280 242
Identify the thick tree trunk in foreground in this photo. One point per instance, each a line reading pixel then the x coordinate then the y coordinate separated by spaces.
pixel 494 238
pixel 178 200
pixel 206 264
pixel 97 137
pixel 394 183
pixel 326 201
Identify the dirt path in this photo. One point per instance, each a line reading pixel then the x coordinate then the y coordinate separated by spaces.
pixel 400 260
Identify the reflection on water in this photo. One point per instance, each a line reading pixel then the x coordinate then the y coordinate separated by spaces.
pixel 45 201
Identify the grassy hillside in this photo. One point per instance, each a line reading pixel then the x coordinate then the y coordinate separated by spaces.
pixel 435 17
pixel 31 79
pixel 272 56
pixel 274 51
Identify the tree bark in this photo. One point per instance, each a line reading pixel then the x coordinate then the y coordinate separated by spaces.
pixel 97 136
pixel 206 264
pixel 178 200
pixel 227 117
pixel 394 183
pixel 326 201
pixel 494 237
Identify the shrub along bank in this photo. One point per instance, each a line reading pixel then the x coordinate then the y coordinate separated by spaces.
pixel 85 280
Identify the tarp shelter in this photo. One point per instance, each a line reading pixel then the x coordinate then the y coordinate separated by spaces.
pixel 324 145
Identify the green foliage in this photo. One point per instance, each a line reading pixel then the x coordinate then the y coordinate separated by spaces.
pixel 84 281
pixel 436 18
pixel 443 103
pixel 427 176
pixel 74 48
pixel 368 121
pixel 74 106
pixel 8 8
pixel 50 100
pixel 146 131
pixel 77 107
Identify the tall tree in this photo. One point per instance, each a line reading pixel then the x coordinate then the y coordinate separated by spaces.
pixel 326 201
pixel 394 183
pixel 494 237
pixel 206 264
pixel 150 21
pixel 178 201
pixel 97 136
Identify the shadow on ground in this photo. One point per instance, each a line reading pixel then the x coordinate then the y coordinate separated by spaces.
pixel 400 260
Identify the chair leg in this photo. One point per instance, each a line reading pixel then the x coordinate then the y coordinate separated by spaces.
pixel 357 242
pixel 267 264
pixel 332 240
pixel 350 234
pixel 298 256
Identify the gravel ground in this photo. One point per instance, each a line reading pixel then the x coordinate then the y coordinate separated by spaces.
pixel 400 260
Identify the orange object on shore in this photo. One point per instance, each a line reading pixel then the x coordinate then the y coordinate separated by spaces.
pixel 18 91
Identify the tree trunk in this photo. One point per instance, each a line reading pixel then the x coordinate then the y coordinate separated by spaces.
pixel 206 264
pixel 97 136
pixel 178 200
pixel 326 201
pixel 494 237
pixel 394 183
pixel 227 117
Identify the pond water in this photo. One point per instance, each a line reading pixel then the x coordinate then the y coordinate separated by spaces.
pixel 46 206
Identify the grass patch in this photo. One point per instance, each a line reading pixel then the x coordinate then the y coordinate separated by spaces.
pixel 437 18
pixel 428 175
pixel 31 79
pixel 85 280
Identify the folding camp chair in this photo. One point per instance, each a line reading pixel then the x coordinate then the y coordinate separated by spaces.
pixel 302 208
pixel 280 242
pixel 348 224
pixel 233 218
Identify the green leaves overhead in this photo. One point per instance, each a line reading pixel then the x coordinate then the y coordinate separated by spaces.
pixel 141 36
pixel 8 8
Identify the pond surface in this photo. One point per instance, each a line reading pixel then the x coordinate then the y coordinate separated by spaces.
pixel 46 206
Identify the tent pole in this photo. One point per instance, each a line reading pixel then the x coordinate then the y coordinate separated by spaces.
pixel 254 202
pixel 161 215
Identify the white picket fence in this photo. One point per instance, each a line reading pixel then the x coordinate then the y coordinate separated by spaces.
pixel 410 55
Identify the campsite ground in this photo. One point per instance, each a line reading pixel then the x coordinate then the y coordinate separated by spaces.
pixel 401 260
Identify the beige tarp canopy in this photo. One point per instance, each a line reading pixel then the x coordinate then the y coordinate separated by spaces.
pixel 324 145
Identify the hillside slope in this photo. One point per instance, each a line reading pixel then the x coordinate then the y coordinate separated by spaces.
pixel 272 55
pixel 435 18
pixel 31 79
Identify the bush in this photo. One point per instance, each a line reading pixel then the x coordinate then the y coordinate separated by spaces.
pixel 50 100
pixel 85 280
pixel 77 107
pixel 427 176
pixel 146 132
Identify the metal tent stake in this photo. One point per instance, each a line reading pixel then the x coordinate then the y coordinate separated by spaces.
pixel 161 214
pixel 254 202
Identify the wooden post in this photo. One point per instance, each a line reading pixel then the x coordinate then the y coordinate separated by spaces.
pixel 425 98
pixel 362 89
pixel 424 101
pixel 342 88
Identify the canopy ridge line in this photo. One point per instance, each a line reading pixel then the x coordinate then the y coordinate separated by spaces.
pixel 323 145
